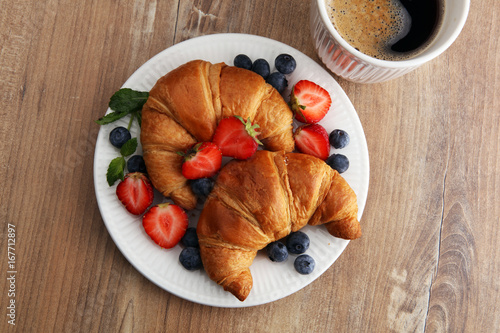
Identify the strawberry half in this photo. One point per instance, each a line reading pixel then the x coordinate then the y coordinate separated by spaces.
pixel 236 137
pixel 165 223
pixel 309 102
pixel 312 139
pixel 203 160
pixel 135 192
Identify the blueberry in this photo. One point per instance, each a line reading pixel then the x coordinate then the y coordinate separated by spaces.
pixel 261 67
pixel 278 81
pixel 190 238
pixel 304 264
pixel 277 251
pixel 119 136
pixel 297 242
pixel 339 138
pixel 190 258
pixel 285 63
pixel 338 162
pixel 243 61
pixel 202 187
pixel 136 164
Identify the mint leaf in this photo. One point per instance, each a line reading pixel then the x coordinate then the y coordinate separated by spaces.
pixel 115 170
pixel 110 117
pixel 127 100
pixel 124 102
pixel 129 147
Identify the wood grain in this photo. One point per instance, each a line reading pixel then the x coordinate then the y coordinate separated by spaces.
pixel 428 258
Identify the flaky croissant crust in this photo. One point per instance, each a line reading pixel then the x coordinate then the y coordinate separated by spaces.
pixel 263 199
pixel 185 106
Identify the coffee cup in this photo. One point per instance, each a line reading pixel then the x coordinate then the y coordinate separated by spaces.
pixel 348 62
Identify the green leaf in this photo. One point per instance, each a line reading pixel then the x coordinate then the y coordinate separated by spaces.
pixel 124 102
pixel 115 170
pixel 128 100
pixel 110 117
pixel 129 147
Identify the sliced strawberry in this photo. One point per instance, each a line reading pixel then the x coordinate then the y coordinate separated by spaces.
pixel 236 137
pixel 165 223
pixel 312 139
pixel 135 192
pixel 203 160
pixel 309 102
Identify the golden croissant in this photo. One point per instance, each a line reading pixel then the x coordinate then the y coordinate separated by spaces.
pixel 185 106
pixel 263 199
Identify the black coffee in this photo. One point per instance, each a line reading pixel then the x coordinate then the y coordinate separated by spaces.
pixel 425 15
pixel 387 29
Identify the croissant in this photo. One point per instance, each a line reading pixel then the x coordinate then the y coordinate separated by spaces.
pixel 263 199
pixel 185 106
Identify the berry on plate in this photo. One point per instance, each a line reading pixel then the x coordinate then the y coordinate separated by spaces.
pixel 243 61
pixel 297 242
pixel 285 63
pixel 338 162
pixel 312 139
pixel 202 160
pixel 136 164
pixel 278 81
pixel 165 223
pixel 304 264
pixel 190 238
pixel 339 138
pixel 261 67
pixel 135 192
pixel 202 187
pixel 309 102
pixel 276 251
pixel 236 137
pixel 190 258
pixel 118 136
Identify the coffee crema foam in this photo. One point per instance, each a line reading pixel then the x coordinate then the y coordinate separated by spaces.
pixel 372 26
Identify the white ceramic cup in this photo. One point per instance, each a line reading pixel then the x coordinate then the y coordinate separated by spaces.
pixel 347 62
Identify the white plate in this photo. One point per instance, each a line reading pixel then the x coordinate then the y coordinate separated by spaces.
pixel 272 281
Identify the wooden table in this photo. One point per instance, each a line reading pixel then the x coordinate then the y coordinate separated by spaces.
pixel 429 258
